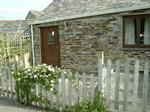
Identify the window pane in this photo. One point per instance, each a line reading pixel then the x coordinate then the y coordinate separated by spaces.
pixel 50 38
pixel 130 31
pixel 144 32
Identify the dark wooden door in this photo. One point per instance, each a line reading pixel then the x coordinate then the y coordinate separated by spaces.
pixel 50 45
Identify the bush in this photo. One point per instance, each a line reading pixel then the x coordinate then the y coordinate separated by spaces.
pixel 89 106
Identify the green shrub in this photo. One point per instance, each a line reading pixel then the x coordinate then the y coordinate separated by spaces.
pixel 89 106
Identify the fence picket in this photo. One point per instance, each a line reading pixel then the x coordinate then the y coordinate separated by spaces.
pixel 63 90
pixel 2 79
pixel 145 86
pixel 100 75
pixel 51 100
pixel 84 87
pixel 126 84
pixel 108 83
pixel 77 87
pixel 92 87
pixel 57 95
pixel 10 82
pixel 16 91
pixel 39 93
pixel 70 89
pixel 117 80
pixel 6 80
pixel 35 103
pixel 136 79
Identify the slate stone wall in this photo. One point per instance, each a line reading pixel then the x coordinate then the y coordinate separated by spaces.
pixel 82 39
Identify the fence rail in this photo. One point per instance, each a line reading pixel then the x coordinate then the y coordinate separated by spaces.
pixel 124 91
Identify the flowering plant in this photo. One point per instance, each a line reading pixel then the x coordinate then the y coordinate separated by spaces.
pixel 44 75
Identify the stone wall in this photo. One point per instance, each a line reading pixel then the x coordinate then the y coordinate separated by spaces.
pixel 81 40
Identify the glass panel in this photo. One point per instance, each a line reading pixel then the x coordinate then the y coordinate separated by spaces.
pixel 50 38
pixel 130 31
pixel 144 32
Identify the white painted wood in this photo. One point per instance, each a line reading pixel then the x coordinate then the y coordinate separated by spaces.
pixel 108 88
pixel 117 81
pixel 16 92
pixel 77 87
pixel 100 75
pixel 6 81
pixel 145 86
pixel 24 64
pixel 57 95
pixel 92 87
pixel 10 82
pixel 40 93
pixel 136 82
pixel 70 89
pixel 84 87
pixel 51 99
pixel 44 94
pixel 35 103
pixel 63 90
pixel 126 85
pixel 2 79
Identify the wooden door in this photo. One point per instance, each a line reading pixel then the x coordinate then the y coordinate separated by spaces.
pixel 50 45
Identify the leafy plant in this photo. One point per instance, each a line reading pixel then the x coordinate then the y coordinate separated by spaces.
pixel 46 76
pixel 88 106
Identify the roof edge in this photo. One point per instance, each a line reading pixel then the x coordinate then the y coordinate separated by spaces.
pixel 90 14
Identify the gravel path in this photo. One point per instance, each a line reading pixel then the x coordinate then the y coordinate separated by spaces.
pixel 9 105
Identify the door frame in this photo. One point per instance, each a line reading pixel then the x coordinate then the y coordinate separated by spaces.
pixel 42 49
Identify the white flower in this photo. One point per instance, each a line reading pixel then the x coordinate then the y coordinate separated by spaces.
pixel 25 71
pixel 35 70
pixel 52 81
pixel 35 76
pixel 40 75
pixel 12 72
pixel 49 74
pixel 44 64
pixel 18 79
pixel 50 69
pixel 28 70
pixel 26 76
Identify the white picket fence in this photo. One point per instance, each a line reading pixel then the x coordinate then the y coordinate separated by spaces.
pixel 126 90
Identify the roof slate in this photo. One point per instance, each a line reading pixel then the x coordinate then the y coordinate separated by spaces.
pixel 63 8
pixel 12 26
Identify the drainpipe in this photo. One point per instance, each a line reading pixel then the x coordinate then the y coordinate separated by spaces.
pixel 32 45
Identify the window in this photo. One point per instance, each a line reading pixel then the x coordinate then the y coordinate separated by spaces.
pixel 136 31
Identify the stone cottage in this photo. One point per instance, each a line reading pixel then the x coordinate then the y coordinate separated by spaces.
pixel 71 33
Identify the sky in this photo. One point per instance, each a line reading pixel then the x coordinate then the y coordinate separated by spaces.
pixel 18 9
